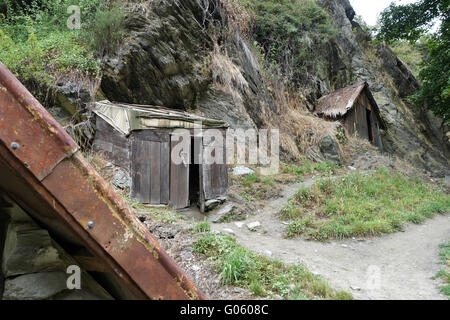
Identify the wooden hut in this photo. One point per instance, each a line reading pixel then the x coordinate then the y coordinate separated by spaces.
pixel 357 109
pixel 139 139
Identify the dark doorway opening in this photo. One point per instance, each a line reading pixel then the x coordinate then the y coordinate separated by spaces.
pixel 369 124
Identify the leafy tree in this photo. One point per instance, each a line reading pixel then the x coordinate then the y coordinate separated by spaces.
pixel 410 22
pixel 412 53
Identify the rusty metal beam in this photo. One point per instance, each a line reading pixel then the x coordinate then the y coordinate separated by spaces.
pixel 42 169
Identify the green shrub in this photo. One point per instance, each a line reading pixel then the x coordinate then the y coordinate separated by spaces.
pixel 290 32
pixel 250 179
pixel 37 46
pixel 106 30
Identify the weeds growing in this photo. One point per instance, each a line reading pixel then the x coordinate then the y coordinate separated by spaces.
pixel 362 205
pixel 444 273
pixel 261 275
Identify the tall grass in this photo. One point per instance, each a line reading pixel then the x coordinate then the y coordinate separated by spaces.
pixel 362 205
pixel 263 276
pixel 305 167
pixel 444 273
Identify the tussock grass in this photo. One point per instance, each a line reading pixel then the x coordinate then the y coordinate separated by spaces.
pixel 362 205
pixel 263 276
pixel 227 76
pixel 163 214
pixel 200 227
pixel 255 187
pixel 444 273
pixel 306 167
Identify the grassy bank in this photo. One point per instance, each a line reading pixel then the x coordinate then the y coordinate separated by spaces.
pixel 41 41
pixel 444 274
pixel 264 277
pixel 308 167
pixel 362 205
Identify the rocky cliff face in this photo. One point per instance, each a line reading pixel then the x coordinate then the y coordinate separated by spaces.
pixel 160 63
pixel 167 61
pixel 412 133
pixel 187 55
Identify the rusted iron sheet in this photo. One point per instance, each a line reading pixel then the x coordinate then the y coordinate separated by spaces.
pixel 25 125
pixel 52 180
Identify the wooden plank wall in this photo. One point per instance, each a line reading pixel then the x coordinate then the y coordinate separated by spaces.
pixel 349 122
pixel 179 180
pixel 155 179
pixel 150 167
pixel 356 121
pixel 361 118
pixel 114 145
pixel 215 176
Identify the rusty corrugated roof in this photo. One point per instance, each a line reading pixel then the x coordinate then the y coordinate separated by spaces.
pixel 42 170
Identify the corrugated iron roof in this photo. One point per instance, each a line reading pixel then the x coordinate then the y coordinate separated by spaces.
pixel 129 117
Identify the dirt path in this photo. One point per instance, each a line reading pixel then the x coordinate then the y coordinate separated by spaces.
pixel 397 266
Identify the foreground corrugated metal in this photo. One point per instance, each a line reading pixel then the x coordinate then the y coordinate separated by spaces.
pixel 42 169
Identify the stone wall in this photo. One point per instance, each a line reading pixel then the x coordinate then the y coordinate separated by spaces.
pixel 33 265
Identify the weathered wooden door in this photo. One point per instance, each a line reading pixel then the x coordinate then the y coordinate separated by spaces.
pixel 150 167
pixel 179 173
pixel 214 177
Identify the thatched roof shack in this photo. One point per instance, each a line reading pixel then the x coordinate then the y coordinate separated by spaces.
pixel 138 138
pixel 356 108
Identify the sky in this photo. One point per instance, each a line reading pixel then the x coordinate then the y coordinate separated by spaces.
pixel 369 9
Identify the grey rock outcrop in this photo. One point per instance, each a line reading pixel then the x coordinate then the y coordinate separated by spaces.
pixel 121 179
pixel 29 249
pixel 34 267
pixel 330 150
pixel 35 286
pixel 160 63
pixel 221 213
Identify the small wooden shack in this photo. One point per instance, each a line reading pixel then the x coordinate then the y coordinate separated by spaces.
pixel 139 139
pixel 357 109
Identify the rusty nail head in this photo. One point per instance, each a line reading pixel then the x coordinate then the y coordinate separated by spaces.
pixel 15 146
